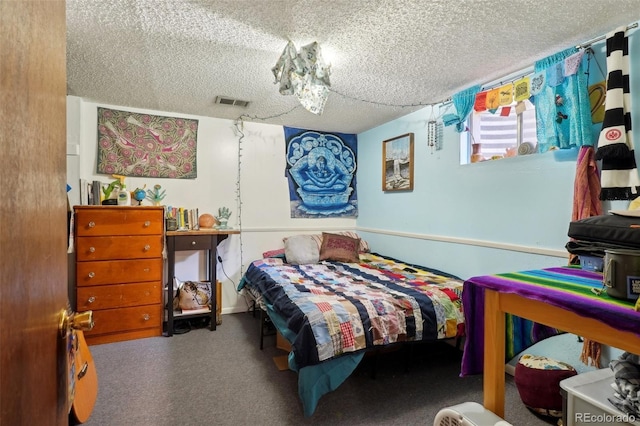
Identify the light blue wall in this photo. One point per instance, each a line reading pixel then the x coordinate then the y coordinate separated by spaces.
pixel 456 213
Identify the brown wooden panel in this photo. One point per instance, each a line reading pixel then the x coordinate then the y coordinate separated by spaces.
pixel 33 357
pixel 118 271
pixel 126 319
pixel 120 247
pixel 123 220
pixel 193 242
pixel 119 337
pixel 119 295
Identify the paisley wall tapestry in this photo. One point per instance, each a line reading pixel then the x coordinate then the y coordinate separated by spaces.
pixel 145 145
pixel 321 170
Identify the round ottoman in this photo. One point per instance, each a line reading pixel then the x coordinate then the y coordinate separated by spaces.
pixel 538 381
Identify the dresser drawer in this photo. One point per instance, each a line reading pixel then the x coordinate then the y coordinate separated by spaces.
pixel 119 295
pixel 119 221
pixel 118 271
pixel 126 319
pixel 120 247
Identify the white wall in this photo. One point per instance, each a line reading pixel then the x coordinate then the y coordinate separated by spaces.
pixel 261 194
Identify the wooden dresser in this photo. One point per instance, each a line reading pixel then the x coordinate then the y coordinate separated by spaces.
pixel 119 270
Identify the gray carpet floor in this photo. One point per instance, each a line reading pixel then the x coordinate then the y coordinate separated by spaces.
pixel 222 377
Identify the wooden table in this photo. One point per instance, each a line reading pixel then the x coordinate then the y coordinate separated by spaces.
pixel 556 308
pixel 203 239
pixel 498 304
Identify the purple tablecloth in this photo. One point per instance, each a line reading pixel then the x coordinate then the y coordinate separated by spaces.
pixel 565 287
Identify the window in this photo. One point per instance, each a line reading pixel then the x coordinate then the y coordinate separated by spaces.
pixel 498 134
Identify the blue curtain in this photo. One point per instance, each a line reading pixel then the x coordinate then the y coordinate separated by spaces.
pixel 463 101
pixel 563 111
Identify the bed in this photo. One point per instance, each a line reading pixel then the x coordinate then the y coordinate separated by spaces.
pixel 332 311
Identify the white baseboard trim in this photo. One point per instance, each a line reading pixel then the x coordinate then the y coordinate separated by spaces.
pixel 234 310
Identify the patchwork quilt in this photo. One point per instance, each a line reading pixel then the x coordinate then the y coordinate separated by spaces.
pixel 334 308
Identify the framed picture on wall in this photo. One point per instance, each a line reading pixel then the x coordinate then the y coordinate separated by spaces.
pixel 397 163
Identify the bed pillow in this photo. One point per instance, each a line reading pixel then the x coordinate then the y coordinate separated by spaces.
pixel 339 248
pixel 364 245
pixel 273 253
pixel 301 250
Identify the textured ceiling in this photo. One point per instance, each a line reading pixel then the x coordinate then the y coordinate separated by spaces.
pixel 387 56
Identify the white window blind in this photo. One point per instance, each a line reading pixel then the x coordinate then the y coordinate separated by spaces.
pixel 496 133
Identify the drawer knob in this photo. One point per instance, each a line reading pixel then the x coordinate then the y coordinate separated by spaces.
pixel 92 274
pixel 147 247
pixel 146 317
pixel 147 224
pixel 146 269
pixel 92 224
pixel 91 299
pixel 92 249
pixel 193 243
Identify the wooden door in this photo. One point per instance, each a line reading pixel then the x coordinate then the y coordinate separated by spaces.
pixel 33 222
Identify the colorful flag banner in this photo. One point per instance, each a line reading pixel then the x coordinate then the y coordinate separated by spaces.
pixel 538 82
pixel 506 94
pixel 481 102
pixel 572 63
pixel 522 89
pixel 505 111
pixel 555 74
pixel 493 98
pixel 520 107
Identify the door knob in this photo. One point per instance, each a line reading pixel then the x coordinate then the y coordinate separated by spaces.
pixel 74 321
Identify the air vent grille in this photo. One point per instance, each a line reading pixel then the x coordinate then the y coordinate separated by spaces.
pixel 232 102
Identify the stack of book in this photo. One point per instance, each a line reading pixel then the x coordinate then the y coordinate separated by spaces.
pixel 90 192
pixel 186 219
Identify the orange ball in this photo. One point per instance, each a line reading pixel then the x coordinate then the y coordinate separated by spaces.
pixel 206 221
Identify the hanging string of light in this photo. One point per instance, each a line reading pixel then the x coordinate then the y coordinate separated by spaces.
pixel 419 104
pixel 239 129
pixel 446 103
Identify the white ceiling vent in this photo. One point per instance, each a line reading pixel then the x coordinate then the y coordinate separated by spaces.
pixel 232 102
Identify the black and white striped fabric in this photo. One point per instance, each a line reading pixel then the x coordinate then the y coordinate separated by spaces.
pixel 619 174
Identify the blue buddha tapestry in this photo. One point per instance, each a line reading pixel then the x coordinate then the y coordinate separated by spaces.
pixel 321 170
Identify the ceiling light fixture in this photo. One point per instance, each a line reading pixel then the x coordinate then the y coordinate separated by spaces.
pixel 305 75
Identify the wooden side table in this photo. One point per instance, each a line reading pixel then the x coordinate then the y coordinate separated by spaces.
pixel 203 239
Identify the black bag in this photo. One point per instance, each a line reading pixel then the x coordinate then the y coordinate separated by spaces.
pixel 605 231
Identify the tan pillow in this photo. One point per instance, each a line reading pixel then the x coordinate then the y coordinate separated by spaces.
pixel 339 248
